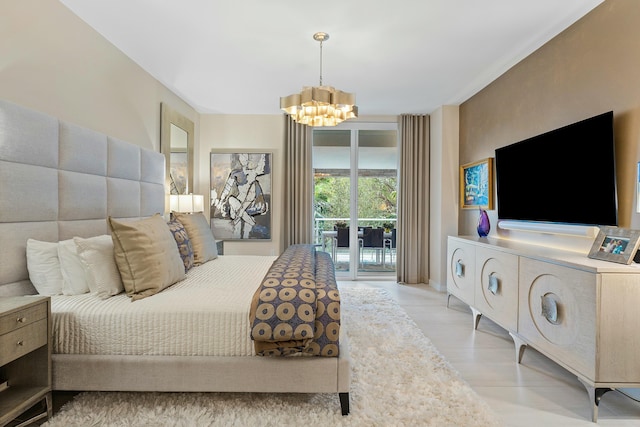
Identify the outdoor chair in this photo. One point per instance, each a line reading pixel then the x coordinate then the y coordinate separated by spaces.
pixel 390 244
pixel 340 241
pixel 373 238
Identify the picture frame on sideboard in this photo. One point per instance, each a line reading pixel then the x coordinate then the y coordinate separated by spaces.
pixel 615 245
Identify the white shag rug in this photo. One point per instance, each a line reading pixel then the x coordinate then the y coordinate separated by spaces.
pixel 398 379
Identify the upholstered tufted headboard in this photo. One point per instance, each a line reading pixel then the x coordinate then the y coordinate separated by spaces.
pixel 59 180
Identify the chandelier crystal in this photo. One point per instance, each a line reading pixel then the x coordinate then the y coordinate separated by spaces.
pixel 320 105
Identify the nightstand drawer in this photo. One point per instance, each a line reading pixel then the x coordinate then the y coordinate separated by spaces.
pixel 22 341
pixel 18 319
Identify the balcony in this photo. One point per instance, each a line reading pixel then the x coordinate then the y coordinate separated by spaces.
pixel 375 254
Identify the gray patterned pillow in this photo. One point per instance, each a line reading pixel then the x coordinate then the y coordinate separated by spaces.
pixel 184 243
pixel 202 240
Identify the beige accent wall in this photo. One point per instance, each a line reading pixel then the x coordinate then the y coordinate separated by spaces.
pixel 52 61
pixel 590 68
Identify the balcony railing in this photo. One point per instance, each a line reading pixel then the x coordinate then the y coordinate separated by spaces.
pixel 326 224
pixel 371 259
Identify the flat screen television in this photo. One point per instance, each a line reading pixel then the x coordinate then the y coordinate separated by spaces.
pixel 567 175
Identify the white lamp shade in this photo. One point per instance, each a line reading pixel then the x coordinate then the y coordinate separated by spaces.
pixel 186 203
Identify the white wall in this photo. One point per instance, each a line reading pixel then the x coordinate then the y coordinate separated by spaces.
pixel 51 61
pixel 443 207
pixel 255 132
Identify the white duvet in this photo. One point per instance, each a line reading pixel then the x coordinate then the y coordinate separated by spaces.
pixel 207 314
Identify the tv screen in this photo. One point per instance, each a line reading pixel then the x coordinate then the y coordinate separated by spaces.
pixel 567 175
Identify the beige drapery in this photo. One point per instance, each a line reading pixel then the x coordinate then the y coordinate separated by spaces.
pixel 298 184
pixel 412 243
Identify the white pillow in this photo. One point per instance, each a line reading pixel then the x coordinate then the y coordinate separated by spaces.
pixel 74 281
pixel 44 267
pixel 99 263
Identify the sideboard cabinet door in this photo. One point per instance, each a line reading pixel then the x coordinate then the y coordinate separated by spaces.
pixel 496 294
pixel 557 313
pixel 461 270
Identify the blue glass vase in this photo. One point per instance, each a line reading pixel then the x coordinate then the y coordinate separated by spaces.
pixel 484 226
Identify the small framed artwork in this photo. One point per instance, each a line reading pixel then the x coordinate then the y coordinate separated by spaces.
pixel 615 244
pixel 476 184
pixel 240 185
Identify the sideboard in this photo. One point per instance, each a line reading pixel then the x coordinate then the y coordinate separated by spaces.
pixel 582 313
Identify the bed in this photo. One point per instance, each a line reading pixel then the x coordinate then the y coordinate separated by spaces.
pixel 60 182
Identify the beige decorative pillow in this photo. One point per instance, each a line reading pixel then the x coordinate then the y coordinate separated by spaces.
pixel 201 236
pixel 146 255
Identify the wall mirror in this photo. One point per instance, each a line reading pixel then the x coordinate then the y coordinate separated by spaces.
pixel 176 143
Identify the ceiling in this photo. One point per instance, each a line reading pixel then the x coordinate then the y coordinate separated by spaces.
pixel 401 56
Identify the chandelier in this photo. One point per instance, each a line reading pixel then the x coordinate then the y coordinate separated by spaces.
pixel 320 105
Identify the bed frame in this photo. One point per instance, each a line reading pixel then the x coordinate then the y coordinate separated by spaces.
pixel 60 180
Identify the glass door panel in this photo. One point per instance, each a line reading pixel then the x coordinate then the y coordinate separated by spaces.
pixel 355 179
pixel 377 191
pixel 332 193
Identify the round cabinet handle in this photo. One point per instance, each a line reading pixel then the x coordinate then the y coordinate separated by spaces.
pixel 459 268
pixel 20 343
pixel 494 284
pixel 21 319
pixel 550 308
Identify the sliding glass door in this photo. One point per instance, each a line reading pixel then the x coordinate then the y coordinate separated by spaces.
pixel 355 169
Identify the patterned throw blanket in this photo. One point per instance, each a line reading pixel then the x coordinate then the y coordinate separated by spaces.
pixel 296 309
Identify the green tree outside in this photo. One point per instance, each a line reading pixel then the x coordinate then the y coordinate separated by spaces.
pixel 377 198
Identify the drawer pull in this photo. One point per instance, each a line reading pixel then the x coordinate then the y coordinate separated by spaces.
pixel 550 309
pixel 494 284
pixel 20 343
pixel 459 268
pixel 21 319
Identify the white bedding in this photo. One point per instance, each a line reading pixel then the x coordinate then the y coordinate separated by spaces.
pixel 207 314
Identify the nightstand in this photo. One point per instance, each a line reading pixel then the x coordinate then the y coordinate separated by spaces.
pixel 25 358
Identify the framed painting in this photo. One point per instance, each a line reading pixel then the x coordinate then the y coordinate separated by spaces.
pixel 615 244
pixel 240 185
pixel 476 184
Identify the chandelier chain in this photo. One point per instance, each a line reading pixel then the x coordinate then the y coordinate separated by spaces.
pixel 320 62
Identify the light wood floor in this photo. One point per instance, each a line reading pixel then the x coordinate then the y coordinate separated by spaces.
pixel 535 393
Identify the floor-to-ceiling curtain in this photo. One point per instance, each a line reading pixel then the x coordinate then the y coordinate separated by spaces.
pixel 298 184
pixel 413 200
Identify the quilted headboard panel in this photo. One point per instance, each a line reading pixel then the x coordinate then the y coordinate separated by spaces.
pixel 59 180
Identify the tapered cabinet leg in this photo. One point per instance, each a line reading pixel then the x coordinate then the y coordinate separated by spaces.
pixel 520 346
pixel 476 317
pixel 48 401
pixel 595 395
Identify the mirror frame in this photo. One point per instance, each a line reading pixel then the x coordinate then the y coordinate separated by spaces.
pixel 170 116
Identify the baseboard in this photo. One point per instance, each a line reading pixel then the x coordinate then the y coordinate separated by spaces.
pixel 437 286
